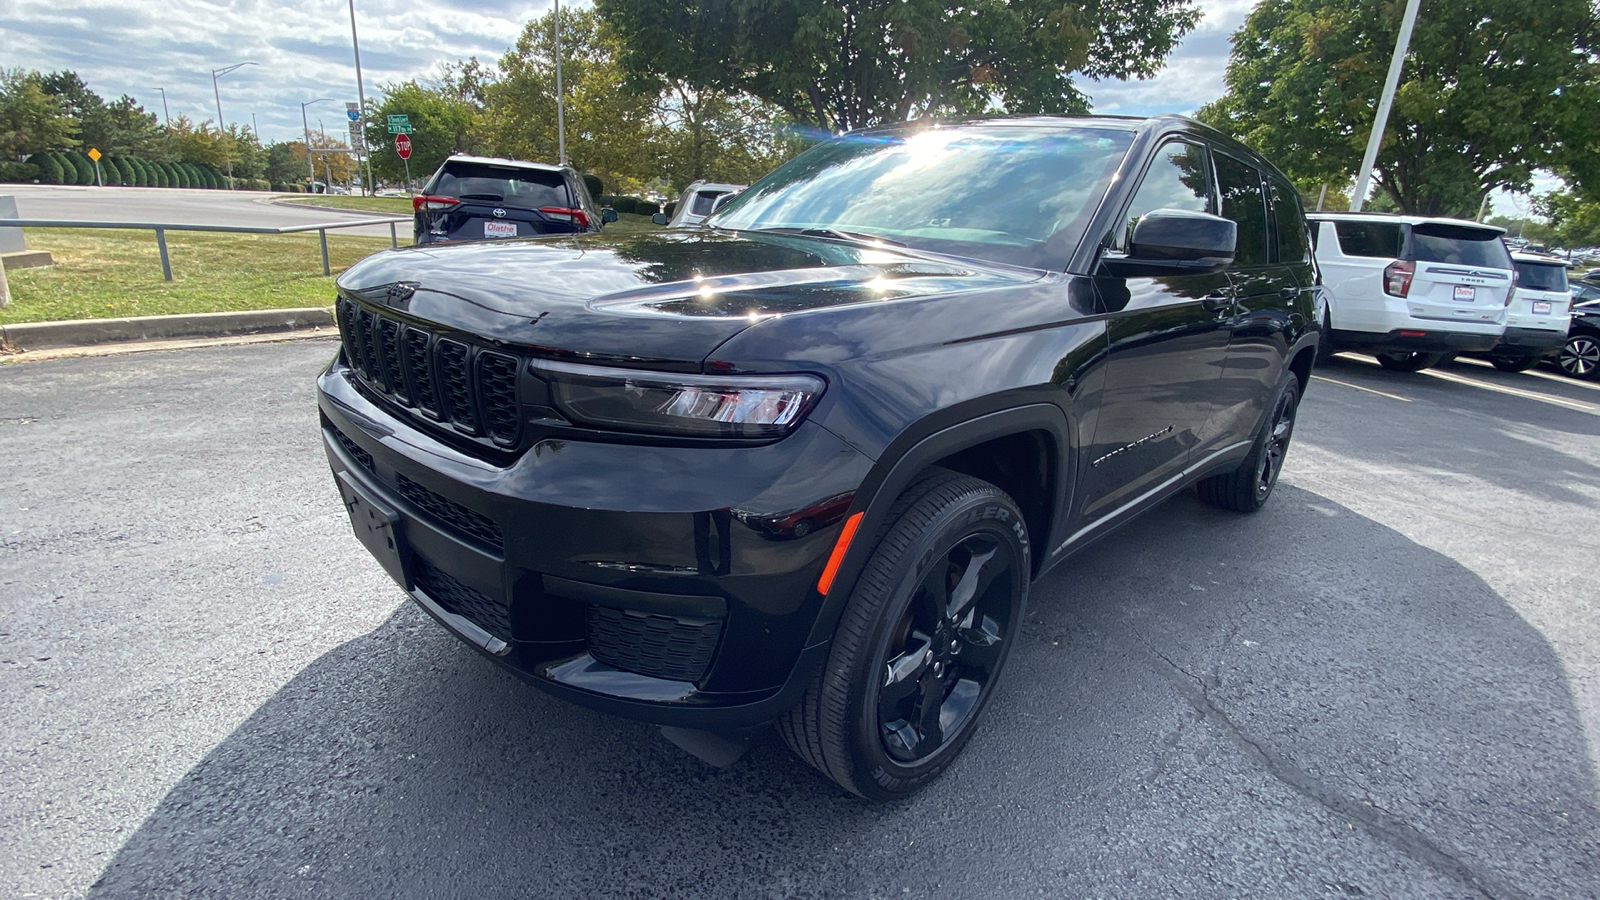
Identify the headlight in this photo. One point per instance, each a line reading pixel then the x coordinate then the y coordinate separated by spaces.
pixel 718 406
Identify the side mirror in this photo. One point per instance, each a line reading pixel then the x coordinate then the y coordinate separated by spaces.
pixel 1177 242
pixel 722 201
pixel 608 215
pixel 659 218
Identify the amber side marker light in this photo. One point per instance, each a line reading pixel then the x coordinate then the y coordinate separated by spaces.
pixel 837 556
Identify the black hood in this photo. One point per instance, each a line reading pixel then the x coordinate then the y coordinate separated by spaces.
pixel 664 299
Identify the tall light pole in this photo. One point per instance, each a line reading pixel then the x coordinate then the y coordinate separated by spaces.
pixel 1378 124
pixel 215 73
pixel 166 118
pixel 561 119
pixel 311 173
pixel 361 95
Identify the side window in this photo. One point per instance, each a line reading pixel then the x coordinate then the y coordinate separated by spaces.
pixel 1289 224
pixel 1380 240
pixel 1177 179
pixel 1243 202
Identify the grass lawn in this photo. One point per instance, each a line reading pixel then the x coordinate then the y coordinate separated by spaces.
pixel 104 273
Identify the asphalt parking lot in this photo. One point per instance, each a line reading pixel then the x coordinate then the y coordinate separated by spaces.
pixel 1387 684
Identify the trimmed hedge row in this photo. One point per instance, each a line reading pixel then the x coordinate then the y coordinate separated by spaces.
pixel 635 205
pixel 74 167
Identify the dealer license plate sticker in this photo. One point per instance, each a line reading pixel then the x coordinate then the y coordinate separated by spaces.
pixel 1465 293
pixel 509 229
pixel 1541 307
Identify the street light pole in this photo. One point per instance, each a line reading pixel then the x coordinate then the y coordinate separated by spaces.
pixel 1378 124
pixel 311 173
pixel 166 118
pixel 361 94
pixel 218 95
pixel 561 119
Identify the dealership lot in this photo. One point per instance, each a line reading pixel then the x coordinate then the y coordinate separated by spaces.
pixel 1385 684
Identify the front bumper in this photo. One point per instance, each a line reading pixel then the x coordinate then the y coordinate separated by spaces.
pixel 645 581
pixel 1541 342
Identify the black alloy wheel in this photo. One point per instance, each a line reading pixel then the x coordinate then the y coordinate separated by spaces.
pixel 920 644
pixel 1409 362
pixel 1580 358
pixel 1247 488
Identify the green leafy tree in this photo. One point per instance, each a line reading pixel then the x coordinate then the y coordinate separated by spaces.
pixel 1491 91
pixel 608 124
pixel 190 143
pixel 286 163
pixel 32 119
pixel 1573 222
pixel 718 136
pixel 855 63
pixel 445 118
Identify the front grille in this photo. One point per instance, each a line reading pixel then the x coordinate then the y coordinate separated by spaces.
pixel 492 615
pixel 470 390
pixel 679 649
pixel 475 527
pixel 356 453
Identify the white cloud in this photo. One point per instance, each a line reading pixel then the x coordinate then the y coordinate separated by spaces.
pixel 1193 73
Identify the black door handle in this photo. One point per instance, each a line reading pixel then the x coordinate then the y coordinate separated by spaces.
pixel 1217 300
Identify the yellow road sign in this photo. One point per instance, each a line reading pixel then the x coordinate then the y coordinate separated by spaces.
pixel 94 154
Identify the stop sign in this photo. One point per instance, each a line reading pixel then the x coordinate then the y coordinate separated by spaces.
pixel 402 145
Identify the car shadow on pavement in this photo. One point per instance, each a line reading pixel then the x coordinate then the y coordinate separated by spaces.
pixel 1202 704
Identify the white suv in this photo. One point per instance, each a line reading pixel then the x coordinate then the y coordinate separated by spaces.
pixel 1411 289
pixel 1539 314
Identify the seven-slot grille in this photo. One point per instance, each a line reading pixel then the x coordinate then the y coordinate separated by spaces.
pixel 472 390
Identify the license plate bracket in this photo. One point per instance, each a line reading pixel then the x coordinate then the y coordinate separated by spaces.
pixel 499 229
pixel 1541 307
pixel 1465 293
pixel 377 526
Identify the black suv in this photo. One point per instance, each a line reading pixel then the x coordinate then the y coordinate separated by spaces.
pixel 474 198
pixel 801 465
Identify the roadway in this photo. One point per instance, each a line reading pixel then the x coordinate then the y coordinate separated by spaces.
pixel 1386 684
pixel 176 206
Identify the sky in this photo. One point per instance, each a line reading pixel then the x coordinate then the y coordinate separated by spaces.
pixel 303 52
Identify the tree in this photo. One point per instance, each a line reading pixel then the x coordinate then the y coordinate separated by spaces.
pixel 1491 91
pixel 32 120
pixel 286 163
pixel 717 136
pixel 187 142
pixel 607 124
pixel 444 118
pixel 1573 222
pixel 856 63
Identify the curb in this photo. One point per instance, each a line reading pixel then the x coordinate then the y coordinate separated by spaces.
pixel 87 332
pixel 335 209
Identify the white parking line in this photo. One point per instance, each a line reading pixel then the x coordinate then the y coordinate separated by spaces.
pixel 1360 388
pixel 1548 376
pixel 1543 398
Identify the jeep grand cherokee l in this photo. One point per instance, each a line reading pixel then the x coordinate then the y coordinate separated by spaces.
pixel 590 456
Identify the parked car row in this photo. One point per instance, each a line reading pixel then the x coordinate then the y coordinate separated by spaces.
pixel 1416 290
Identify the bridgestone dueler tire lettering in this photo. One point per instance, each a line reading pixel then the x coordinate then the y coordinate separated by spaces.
pixel 835 728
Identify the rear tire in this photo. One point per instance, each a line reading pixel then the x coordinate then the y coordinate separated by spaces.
pixel 1247 488
pixel 1409 362
pixel 920 644
pixel 1514 363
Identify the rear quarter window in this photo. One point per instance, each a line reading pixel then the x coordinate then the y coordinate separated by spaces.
pixel 1380 240
pixel 1541 276
pixel 1462 246
pixel 523 188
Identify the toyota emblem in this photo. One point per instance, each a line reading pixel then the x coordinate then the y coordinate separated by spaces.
pixel 499 214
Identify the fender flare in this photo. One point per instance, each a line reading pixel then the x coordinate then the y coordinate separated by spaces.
pixel 908 455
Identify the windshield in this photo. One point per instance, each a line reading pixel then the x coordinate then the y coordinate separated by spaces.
pixel 1541 276
pixel 527 188
pixel 1020 195
pixel 1455 244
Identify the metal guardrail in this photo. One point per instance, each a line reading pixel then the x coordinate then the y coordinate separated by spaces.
pixel 161 230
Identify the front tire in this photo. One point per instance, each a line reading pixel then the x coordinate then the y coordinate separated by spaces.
pixel 1409 362
pixel 920 644
pixel 1247 488
pixel 1580 357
